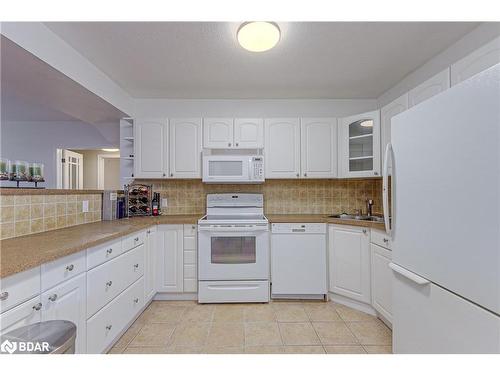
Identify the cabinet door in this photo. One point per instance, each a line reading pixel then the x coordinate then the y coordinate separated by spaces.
pixel 349 259
pixel 359 138
pixel 68 301
pixel 249 133
pixel 170 264
pixel 381 281
pixel 190 259
pixel 150 140
pixel 433 86
pixel 318 147
pixel 282 148
pixel 386 114
pixel 185 148
pixel 218 132
pixel 479 60
pixel 26 313
pixel 150 264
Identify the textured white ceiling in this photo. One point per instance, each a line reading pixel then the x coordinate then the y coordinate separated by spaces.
pixel 312 60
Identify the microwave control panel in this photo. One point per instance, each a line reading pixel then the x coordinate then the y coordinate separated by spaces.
pixel 258 168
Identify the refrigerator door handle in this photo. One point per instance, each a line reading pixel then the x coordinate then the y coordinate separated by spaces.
pixel 385 189
pixel 408 274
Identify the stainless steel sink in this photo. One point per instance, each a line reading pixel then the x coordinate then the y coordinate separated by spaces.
pixel 358 217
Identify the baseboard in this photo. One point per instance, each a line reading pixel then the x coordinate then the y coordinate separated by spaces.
pixel 361 306
pixel 176 297
pixel 318 297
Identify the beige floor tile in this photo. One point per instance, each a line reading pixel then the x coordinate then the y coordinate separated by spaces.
pixel 128 336
pixel 145 350
pixel 115 350
pixel 378 349
pixel 345 349
pixel 321 312
pixel 224 350
pixel 259 313
pixel 228 313
pixel 184 350
pixel 262 334
pixel 309 349
pixel 268 349
pixel 334 333
pixel 226 334
pixel 190 334
pixel 154 334
pixel 290 313
pixel 199 313
pixel 162 312
pixel 298 334
pixel 371 333
pixel 352 315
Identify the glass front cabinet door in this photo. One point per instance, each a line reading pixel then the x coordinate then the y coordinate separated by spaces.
pixel 359 138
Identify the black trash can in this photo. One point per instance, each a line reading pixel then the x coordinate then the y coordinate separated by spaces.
pixel 50 337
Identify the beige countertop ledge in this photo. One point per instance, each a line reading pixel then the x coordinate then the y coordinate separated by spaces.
pixel 24 191
pixel 22 253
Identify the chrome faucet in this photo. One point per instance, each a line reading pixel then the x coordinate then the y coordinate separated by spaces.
pixel 369 207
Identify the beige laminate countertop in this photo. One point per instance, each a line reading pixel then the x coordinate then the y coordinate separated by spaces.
pixel 22 253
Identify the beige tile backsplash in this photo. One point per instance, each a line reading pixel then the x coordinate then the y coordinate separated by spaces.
pixel 280 196
pixel 27 214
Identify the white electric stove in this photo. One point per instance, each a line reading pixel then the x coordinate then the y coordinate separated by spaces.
pixel 233 250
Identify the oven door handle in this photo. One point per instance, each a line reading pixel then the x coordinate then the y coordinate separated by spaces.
pixel 242 229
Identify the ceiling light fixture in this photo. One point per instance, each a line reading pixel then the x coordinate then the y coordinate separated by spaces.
pixel 258 36
pixel 110 149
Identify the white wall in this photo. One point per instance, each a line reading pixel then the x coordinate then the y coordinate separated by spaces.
pixel 481 35
pixel 37 141
pixel 90 169
pixel 251 107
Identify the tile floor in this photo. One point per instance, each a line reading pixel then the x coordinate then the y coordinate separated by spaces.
pixel 277 327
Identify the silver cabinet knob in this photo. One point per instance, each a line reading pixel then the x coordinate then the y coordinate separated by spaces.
pixel 305 174
pixel 364 231
pixel 193 227
pixel 298 175
pixel 164 174
pixel 136 265
pixel 109 251
pixel 386 240
pixel 171 175
pixel 375 173
pixel 237 144
pixel 136 239
pixel 37 307
pixel 148 232
pixel 109 283
pixel 109 326
pixel 229 144
pixel 4 296
pixel 71 267
pixel 53 297
pixel 136 300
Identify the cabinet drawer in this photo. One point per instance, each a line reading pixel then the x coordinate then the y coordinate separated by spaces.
pixel 102 253
pixel 189 230
pixel 190 271
pixel 133 240
pixel 107 324
pixel 190 285
pixel 63 269
pixel 189 243
pixel 233 291
pixel 27 313
pixel 108 280
pixel 18 288
pixel 189 257
pixel 381 238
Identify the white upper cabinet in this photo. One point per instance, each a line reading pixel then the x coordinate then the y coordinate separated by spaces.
pixel 318 147
pixel 433 86
pixel 282 148
pixel 479 60
pixel 249 133
pixel 359 145
pixel 185 148
pixel 386 114
pixel 218 132
pixel 150 147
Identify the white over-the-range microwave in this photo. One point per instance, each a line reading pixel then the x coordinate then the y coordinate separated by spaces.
pixel 233 169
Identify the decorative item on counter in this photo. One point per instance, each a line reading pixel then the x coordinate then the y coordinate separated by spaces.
pixel 156 204
pixel 19 171
pixel 109 207
pixel 36 172
pixel 4 168
pixel 138 199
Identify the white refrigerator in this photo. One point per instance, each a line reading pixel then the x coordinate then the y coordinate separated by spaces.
pixel 442 172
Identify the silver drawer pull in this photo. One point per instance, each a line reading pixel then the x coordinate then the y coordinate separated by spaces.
pixel 136 265
pixel 70 267
pixel 4 296
pixel 109 251
pixel 136 300
pixel 37 307
pixel 136 239
pixel 109 326
pixel 53 297
pixel 109 283
pixel 386 240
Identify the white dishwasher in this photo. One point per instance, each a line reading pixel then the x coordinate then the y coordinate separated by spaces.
pixel 298 260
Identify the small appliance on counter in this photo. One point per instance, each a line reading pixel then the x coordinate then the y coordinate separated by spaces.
pixel 138 199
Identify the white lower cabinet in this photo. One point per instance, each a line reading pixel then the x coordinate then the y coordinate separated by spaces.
pixel 190 259
pixel 26 313
pixel 349 262
pixel 381 281
pixel 105 326
pixel 67 301
pixel 150 264
pixel 170 263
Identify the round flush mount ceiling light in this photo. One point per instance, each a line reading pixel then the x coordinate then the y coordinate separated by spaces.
pixel 258 36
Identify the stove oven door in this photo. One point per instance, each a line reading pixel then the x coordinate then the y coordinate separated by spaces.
pixel 233 253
